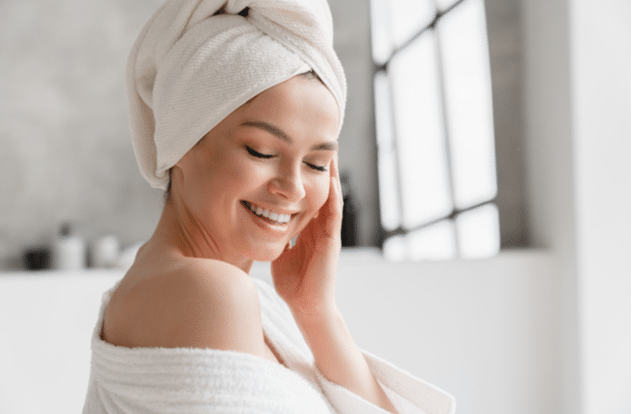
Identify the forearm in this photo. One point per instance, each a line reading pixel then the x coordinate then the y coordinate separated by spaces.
pixel 339 359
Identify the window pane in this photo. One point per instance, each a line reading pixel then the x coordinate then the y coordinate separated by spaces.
pixel 383 112
pixel 387 161
pixel 436 242
pixel 419 133
pixel 465 59
pixel 445 4
pixel 408 17
pixel 478 232
pixel 396 249
pixel 381 39
pixel 389 197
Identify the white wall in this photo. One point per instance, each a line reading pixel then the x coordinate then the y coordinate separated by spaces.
pixel 486 331
pixel 65 148
pixel 577 89
pixel 600 75
pixel 549 173
pixel 46 321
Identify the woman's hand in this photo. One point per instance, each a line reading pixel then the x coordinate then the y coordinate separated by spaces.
pixel 304 275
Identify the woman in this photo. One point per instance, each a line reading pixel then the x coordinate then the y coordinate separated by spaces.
pixel 236 108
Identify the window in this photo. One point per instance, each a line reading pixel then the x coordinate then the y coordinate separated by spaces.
pixel 434 129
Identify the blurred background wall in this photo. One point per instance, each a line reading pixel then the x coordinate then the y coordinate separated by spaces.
pixel 65 151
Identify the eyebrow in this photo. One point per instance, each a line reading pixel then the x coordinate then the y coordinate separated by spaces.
pixel 280 134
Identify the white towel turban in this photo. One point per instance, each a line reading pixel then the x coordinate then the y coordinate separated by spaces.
pixel 196 61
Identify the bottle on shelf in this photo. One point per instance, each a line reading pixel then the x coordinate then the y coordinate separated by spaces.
pixel 68 250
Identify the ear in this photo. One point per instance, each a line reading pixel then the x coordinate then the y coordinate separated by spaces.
pixel 168 189
pixel 176 175
pixel 185 163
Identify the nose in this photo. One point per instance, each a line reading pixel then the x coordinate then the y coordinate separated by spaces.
pixel 288 183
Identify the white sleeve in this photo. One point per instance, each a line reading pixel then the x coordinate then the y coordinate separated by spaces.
pixel 409 395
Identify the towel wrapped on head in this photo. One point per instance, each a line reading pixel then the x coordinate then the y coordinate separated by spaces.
pixel 196 61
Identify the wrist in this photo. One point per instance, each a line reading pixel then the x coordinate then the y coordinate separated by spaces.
pixel 317 319
pixel 314 307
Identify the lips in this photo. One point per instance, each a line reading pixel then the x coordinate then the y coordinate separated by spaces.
pixel 268 215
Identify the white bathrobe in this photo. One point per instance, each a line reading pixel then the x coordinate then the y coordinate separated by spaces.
pixel 186 380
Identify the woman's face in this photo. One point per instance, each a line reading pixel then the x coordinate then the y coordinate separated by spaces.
pixel 257 178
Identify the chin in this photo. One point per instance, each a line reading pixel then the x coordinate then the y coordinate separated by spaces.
pixel 267 253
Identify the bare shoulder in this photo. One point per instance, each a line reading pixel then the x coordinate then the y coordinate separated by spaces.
pixel 196 303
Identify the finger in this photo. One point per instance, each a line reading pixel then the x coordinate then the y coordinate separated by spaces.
pixel 335 175
pixel 335 198
pixel 333 168
pixel 334 204
pixel 330 214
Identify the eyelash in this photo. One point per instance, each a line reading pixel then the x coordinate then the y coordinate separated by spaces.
pixel 257 154
pixel 316 167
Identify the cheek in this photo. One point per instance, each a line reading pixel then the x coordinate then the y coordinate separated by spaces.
pixel 245 176
pixel 317 192
pixel 217 182
pixel 320 192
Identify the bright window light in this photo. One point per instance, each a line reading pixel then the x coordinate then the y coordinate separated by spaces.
pixel 465 62
pixel 388 191
pixel 434 126
pixel 381 39
pixel 444 4
pixel 387 157
pixel 408 17
pixel 478 232
pixel 383 113
pixel 436 242
pixel 420 136
pixel 396 249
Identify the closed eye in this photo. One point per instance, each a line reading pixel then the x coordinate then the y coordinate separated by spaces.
pixel 316 167
pixel 258 154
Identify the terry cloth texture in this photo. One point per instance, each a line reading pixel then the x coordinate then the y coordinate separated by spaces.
pixel 196 61
pixel 186 380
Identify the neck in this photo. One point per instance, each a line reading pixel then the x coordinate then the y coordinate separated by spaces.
pixel 179 232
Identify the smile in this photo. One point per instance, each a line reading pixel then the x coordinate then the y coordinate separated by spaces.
pixel 270 216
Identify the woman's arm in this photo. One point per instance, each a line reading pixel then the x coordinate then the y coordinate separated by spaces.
pixel 304 276
pixel 339 359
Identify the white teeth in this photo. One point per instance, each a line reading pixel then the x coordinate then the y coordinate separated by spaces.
pixel 279 218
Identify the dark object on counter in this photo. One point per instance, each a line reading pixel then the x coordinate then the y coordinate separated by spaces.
pixel 37 258
pixel 349 213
